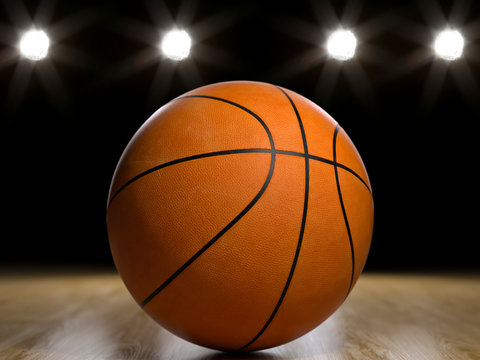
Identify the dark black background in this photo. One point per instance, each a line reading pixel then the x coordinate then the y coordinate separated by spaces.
pixel 412 116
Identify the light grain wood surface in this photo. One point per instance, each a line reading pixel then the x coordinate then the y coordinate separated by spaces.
pixel 72 315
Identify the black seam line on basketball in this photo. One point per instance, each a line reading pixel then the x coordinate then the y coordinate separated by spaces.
pixel 215 238
pixel 326 161
pixel 188 158
pixel 302 229
pixel 342 205
pixel 258 118
pixel 235 151
pixel 235 220
pixel 267 130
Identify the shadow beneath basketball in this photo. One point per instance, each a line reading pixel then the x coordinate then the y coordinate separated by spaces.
pixel 240 356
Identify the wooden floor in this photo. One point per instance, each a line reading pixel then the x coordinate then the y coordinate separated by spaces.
pixel 89 315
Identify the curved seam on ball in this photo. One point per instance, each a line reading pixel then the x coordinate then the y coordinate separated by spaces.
pixel 302 228
pixel 235 151
pixel 185 159
pixel 342 205
pixel 235 220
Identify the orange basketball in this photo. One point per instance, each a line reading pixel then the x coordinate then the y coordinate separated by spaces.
pixel 240 216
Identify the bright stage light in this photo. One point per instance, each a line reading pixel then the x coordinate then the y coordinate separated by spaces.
pixel 176 45
pixel 34 45
pixel 341 45
pixel 449 45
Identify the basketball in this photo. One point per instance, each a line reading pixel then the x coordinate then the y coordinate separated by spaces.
pixel 240 216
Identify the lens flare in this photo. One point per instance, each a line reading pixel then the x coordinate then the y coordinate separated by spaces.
pixel 449 44
pixel 34 45
pixel 176 45
pixel 341 45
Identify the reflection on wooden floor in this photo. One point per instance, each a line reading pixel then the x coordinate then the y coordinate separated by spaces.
pixel 90 315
